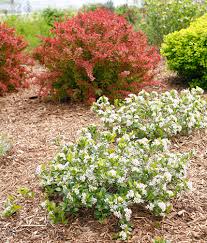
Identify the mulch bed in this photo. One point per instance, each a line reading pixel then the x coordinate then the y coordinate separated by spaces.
pixel 36 128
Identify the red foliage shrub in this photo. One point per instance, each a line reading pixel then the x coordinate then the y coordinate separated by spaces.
pixel 12 60
pixel 95 53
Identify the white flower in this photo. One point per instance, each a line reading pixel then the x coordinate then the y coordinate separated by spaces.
pixel 76 191
pixel 137 198
pixel 38 170
pixel 136 162
pixel 82 178
pixel 162 206
pixel 129 123
pixel 123 235
pixel 117 214
pixel 60 166
pixel 120 180
pixel 112 173
pixel 83 198
pixel 168 176
pixel 93 200
pixel 150 206
pixel 62 155
pixel 128 213
pixel 130 194
pixel 190 185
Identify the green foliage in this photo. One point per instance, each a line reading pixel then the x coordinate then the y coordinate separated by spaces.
pixel 5 145
pixel 186 52
pixel 10 207
pixel 163 17
pixel 160 240
pixel 57 213
pixel 26 192
pixel 131 13
pixel 52 15
pixel 91 7
pixel 37 24
pixel 155 115
pixel 29 26
pixel 109 5
pixel 125 161
pixel 110 174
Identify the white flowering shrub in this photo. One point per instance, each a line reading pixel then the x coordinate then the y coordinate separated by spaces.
pixel 110 173
pixel 154 114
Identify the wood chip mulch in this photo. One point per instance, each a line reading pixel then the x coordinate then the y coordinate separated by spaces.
pixel 35 128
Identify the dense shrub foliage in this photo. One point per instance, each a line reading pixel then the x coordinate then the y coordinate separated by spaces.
pixel 163 17
pixel 130 13
pixel 110 175
pixel 12 59
pixel 52 15
pixel 154 115
pixel 186 52
pixel 93 54
pixel 125 161
pixel 94 6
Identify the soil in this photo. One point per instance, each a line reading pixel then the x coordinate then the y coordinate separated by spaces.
pixel 36 128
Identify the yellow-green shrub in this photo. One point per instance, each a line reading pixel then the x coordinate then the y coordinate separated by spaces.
pixel 186 52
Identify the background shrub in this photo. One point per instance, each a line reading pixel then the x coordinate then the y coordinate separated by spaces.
pixel 29 26
pixel 95 53
pixel 32 26
pixel 94 6
pixel 13 71
pixel 154 115
pixel 130 13
pixel 163 17
pixel 52 15
pixel 186 52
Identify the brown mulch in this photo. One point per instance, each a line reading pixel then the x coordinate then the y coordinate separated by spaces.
pixel 35 129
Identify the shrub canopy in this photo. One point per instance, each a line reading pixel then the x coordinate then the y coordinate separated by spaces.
pixel 13 71
pixel 95 53
pixel 186 52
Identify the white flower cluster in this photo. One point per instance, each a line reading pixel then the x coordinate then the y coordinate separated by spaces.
pixel 111 173
pixel 127 161
pixel 155 114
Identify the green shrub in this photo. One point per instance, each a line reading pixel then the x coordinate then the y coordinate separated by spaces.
pixel 186 52
pixel 114 166
pixel 94 6
pixel 51 15
pixel 91 7
pixel 110 175
pixel 163 17
pixel 130 13
pixel 154 115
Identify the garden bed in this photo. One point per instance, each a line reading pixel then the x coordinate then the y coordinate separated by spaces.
pixel 35 129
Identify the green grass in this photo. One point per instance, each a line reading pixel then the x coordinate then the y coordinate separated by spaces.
pixel 32 26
